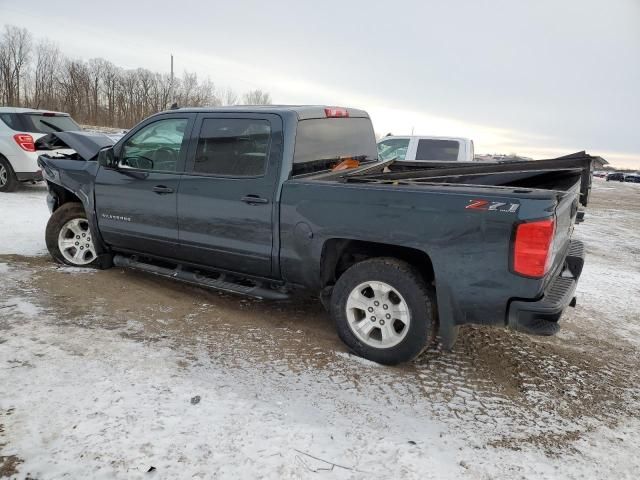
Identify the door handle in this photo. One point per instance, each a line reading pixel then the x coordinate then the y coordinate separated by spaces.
pixel 254 199
pixel 161 189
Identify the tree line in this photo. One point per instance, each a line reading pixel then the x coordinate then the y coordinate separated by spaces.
pixel 36 74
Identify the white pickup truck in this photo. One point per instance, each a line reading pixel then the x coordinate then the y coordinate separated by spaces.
pixel 419 148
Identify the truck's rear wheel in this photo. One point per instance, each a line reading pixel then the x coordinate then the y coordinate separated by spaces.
pixel 384 310
pixel 68 237
pixel 8 180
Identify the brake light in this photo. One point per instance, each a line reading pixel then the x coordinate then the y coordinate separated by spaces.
pixel 25 142
pixel 532 248
pixel 336 112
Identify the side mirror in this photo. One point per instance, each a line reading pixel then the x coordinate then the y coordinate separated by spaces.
pixel 107 158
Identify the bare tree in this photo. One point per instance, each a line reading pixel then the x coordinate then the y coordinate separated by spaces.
pixel 14 55
pixel 256 97
pixel 47 65
pixel 229 97
pixel 97 91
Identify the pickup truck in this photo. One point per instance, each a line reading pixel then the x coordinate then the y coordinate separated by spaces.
pixel 269 201
pixel 414 148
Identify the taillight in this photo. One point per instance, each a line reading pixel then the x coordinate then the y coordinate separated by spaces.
pixel 336 112
pixel 532 248
pixel 25 142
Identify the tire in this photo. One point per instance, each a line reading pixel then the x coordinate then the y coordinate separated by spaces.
pixel 8 180
pixel 67 236
pixel 398 306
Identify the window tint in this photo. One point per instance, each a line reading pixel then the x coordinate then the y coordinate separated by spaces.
pixel 393 148
pixel 39 123
pixel 156 147
pixel 323 143
pixel 232 146
pixel 443 150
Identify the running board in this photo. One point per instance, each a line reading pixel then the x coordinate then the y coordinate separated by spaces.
pixel 196 278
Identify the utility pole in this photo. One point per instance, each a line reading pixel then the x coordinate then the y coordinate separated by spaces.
pixel 171 99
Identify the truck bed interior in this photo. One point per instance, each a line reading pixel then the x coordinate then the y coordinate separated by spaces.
pixel 562 173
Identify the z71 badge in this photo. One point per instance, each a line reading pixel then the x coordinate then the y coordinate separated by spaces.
pixel 493 206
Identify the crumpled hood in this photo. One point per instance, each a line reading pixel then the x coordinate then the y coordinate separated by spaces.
pixel 86 144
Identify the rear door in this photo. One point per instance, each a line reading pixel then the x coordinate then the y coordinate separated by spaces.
pixel 226 199
pixel 136 203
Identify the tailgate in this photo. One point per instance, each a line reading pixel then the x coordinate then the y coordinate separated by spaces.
pixel 565 213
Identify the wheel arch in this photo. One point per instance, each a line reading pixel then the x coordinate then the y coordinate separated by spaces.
pixel 61 195
pixel 338 254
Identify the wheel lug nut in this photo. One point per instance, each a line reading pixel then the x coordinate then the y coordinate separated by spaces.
pixel 81 247
pixel 388 316
pixel 77 243
pixel 84 234
pixel 385 306
pixel 373 319
pixel 78 237
pixel 376 303
pixel 370 309
pixel 381 322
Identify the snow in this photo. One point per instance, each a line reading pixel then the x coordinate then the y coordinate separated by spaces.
pixel 130 410
pixel 23 218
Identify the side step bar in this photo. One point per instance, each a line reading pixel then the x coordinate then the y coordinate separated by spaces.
pixel 219 283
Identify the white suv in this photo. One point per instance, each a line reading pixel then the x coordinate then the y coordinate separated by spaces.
pixel 20 128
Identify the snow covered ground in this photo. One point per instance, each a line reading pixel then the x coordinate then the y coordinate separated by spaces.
pixel 116 374
pixel 23 217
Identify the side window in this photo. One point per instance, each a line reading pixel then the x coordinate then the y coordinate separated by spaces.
pixel 156 147
pixel 393 148
pixel 10 120
pixel 442 150
pixel 233 146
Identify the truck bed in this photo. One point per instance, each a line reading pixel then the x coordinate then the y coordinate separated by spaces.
pixel 560 174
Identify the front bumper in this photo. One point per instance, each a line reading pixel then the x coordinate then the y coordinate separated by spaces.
pixel 540 317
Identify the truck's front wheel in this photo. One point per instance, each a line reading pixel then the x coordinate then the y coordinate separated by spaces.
pixel 68 237
pixel 383 309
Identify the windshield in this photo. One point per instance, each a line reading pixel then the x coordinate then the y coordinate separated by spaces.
pixel 393 148
pixel 322 143
pixel 48 123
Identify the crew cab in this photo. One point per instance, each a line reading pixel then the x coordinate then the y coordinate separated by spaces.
pixel 414 148
pixel 268 201
pixel 20 129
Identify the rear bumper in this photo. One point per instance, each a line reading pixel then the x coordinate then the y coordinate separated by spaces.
pixel 29 176
pixel 540 317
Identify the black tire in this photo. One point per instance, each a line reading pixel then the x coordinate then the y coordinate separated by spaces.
pixel 418 296
pixel 11 183
pixel 67 212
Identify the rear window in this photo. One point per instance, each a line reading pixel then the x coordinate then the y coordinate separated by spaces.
pixel 38 123
pixel 443 150
pixel 324 142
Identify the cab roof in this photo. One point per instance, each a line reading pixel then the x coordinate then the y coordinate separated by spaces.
pixel 303 112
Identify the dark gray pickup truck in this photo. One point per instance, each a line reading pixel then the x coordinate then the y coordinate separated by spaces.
pixel 265 201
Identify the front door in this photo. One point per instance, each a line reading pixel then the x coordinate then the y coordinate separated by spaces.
pixel 226 197
pixel 136 202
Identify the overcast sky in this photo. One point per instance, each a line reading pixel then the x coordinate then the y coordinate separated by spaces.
pixel 535 77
